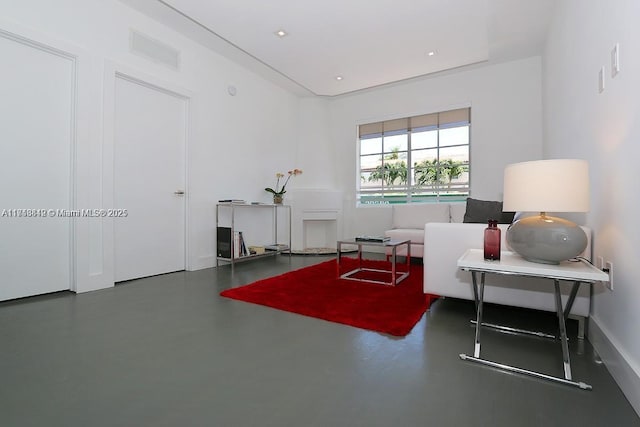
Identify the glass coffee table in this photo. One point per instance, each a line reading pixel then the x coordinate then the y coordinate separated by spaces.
pixel 395 276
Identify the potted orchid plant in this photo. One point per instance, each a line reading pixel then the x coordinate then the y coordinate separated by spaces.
pixel 278 193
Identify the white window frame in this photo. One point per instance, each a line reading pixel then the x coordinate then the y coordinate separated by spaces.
pixel 408 191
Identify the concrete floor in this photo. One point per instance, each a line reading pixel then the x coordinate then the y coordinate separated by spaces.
pixel 168 351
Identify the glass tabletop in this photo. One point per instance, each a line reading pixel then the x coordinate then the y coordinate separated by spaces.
pixel 372 242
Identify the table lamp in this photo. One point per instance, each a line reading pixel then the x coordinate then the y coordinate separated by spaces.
pixel 559 185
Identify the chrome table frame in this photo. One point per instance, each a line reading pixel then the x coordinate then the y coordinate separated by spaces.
pixel 396 276
pixel 511 264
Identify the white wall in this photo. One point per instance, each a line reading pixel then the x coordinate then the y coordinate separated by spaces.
pixel 603 128
pixel 506 110
pixel 314 153
pixel 236 144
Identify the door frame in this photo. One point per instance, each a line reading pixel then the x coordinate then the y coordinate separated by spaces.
pixel 113 71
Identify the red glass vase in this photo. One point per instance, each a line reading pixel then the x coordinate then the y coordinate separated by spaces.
pixel 492 241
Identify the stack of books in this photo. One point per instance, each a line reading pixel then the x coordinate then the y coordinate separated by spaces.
pixel 225 246
pixel 239 247
pixel 277 247
pixel 256 250
pixel 378 239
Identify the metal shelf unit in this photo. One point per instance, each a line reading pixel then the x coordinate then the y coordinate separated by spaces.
pixel 261 208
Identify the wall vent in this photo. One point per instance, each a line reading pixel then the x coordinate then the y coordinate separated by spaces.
pixel 154 50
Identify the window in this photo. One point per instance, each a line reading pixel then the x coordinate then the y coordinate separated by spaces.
pixel 416 159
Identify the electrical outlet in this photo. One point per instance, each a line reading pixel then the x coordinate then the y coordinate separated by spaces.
pixel 599 263
pixel 609 267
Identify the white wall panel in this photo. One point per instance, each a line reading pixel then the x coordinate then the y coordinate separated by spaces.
pixel 37 129
pixel 604 129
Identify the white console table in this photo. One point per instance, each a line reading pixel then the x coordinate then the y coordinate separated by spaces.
pixel 273 245
pixel 511 263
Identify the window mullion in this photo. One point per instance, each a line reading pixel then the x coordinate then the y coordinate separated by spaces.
pixel 409 183
pixel 437 185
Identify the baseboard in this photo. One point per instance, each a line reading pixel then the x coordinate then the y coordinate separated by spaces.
pixel 202 262
pixel 620 366
pixel 93 282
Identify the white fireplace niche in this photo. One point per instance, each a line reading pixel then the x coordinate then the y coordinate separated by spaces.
pixel 316 218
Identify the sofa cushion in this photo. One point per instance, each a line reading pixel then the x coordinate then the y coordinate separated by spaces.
pixel 481 211
pixel 457 211
pixel 416 215
pixel 416 235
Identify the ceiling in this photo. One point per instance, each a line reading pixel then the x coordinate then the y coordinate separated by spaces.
pixel 367 43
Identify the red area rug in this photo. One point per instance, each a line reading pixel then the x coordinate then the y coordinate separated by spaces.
pixel 315 291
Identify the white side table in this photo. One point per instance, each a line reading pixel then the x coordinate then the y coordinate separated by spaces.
pixel 511 263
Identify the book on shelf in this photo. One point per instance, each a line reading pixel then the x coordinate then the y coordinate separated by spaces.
pixel 239 247
pixel 256 250
pixel 223 242
pixel 236 244
pixel 236 201
pixel 243 246
pixel 379 239
pixel 277 247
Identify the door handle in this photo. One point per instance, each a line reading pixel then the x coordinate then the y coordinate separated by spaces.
pixel 179 193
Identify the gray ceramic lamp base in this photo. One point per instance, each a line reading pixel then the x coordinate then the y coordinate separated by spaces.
pixel 546 239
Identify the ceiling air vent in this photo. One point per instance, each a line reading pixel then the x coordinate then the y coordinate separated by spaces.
pixel 154 50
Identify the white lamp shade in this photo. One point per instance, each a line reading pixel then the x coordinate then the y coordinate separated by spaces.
pixel 559 185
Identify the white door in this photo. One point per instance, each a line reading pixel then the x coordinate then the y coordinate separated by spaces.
pixel 149 175
pixel 36 138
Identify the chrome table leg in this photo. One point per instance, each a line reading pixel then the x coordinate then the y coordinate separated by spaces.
pixel 394 254
pixel 338 257
pixel 572 298
pixel 475 289
pixel 511 330
pixel 479 296
pixel 540 375
pixel 563 332
pixel 480 292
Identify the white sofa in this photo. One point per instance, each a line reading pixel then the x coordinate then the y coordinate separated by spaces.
pixel 446 242
pixel 408 222
pixel 439 236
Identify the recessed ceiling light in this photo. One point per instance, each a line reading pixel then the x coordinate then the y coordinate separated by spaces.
pixel 431 53
pixel 281 33
pixel 338 78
